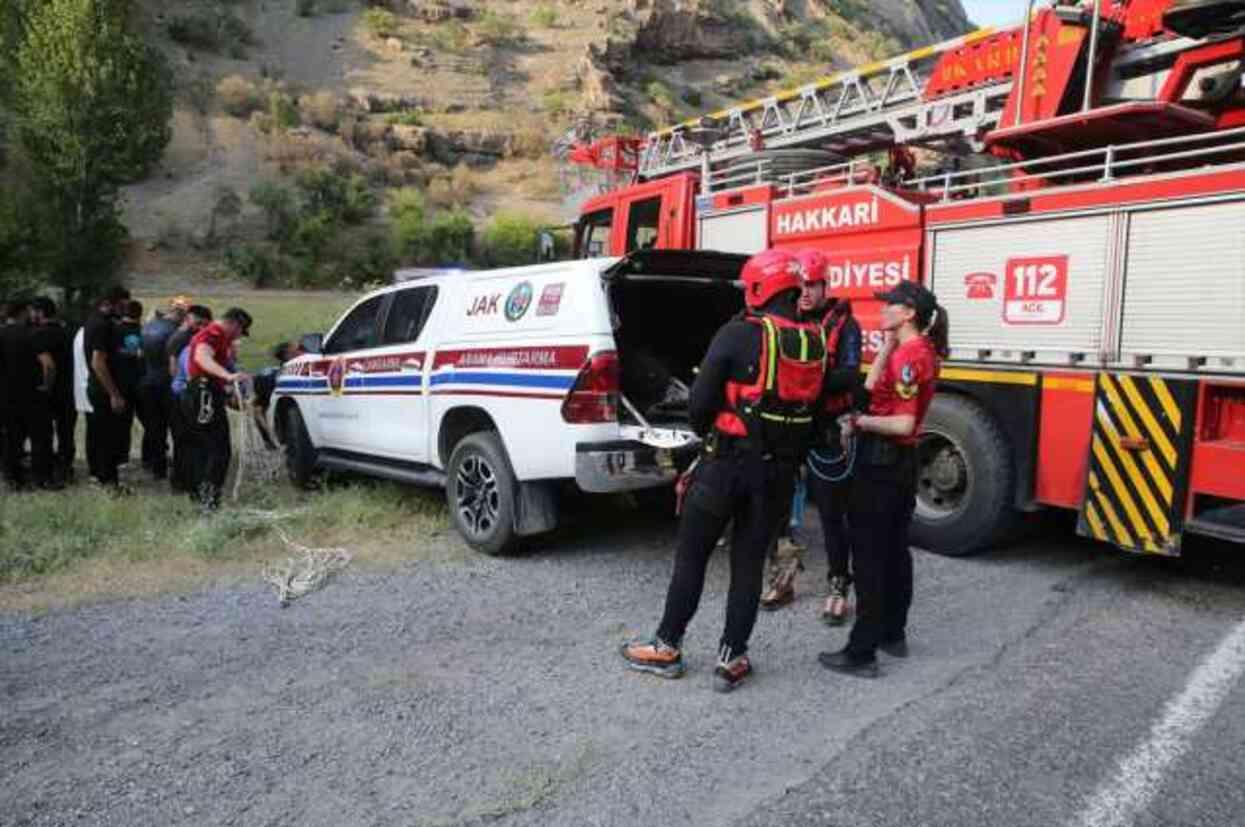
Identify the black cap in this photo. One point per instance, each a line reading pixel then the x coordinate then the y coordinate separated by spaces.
pixel 241 317
pixel 911 294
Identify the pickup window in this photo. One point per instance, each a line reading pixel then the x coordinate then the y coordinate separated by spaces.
pixel 408 314
pixel 358 331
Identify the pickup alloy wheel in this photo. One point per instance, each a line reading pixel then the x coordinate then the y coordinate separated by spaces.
pixel 482 493
pixel 478 500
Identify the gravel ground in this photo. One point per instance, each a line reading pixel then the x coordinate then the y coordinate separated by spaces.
pixel 492 690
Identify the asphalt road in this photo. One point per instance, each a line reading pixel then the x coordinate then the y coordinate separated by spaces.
pixel 1055 682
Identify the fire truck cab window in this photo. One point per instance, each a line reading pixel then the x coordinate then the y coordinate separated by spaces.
pixel 596 233
pixel 642 223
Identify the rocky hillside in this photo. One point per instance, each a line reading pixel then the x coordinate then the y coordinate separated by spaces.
pixel 460 99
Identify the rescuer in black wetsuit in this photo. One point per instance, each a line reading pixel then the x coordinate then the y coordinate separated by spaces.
pixel 753 401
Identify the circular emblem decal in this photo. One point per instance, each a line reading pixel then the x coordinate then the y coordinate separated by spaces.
pixel 519 300
pixel 337 376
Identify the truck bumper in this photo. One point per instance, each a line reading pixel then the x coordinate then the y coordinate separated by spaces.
pixel 627 465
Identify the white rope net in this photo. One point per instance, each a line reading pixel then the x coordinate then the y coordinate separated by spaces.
pixel 259 460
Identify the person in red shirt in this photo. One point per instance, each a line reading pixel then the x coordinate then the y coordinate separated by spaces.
pixel 211 377
pixel 901 381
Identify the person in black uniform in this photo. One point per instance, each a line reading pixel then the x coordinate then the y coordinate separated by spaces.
pixel 29 375
pixel 104 425
pixel 753 401
pixel 197 318
pixel 827 467
pixel 128 372
pixel 153 389
pixel 52 337
pixel 883 495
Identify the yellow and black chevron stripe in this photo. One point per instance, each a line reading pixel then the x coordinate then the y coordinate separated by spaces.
pixel 1138 462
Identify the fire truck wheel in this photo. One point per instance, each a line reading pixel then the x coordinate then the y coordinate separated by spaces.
pixel 965 479
pixel 482 491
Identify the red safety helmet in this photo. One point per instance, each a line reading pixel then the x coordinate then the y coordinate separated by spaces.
pixel 768 274
pixel 813 265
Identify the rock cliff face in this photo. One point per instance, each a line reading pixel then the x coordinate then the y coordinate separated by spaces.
pixel 468 98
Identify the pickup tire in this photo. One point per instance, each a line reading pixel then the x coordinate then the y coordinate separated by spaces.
pixel 966 480
pixel 482 491
pixel 300 454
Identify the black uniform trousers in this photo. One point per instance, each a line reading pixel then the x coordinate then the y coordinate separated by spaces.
pixel 882 500
pixel 210 443
pixel 833 502
pixel 105 431
pixel 153 410
pixel 64 422
pixel 755 493
pixel 28 418
pixel 179 477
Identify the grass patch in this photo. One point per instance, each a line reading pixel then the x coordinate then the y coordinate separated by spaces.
pixel 84 545
pixel 279 316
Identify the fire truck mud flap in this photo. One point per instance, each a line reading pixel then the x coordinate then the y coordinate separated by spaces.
pixel 1136 486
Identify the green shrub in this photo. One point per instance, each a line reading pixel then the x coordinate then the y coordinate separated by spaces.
pixel 252 265
pixel 381 22
pixel 282 111
pixel 279 207
pixel 498 29
pixel 449 238
pixel 544 15
pixel 222 33
pixel 556 102
pixel 345 199
pixel 408 117
pixel 510 238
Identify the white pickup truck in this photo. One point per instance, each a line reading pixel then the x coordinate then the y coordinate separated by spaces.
pixel 501 386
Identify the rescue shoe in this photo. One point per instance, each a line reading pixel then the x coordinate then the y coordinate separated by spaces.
pixel 654 656
pixel 730 674
pixel 836 610
pixel 845 663
pixel 776 597
pixel 896 648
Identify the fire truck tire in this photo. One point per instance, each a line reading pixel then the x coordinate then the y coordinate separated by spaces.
pixel 965 479
pixel 482 493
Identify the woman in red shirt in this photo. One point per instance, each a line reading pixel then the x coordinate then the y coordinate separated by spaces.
pixel 901 383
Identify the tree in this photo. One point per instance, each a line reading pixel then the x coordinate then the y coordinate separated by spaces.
pixel 93 106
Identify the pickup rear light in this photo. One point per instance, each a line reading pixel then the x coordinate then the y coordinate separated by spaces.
pixel 594 397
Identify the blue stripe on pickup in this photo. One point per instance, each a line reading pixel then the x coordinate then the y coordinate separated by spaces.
pixel 411 381
pixel 510 380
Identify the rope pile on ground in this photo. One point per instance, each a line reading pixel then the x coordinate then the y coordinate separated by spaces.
pixel 304 572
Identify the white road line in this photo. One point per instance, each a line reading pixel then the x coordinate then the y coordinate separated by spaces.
pixel 1129 792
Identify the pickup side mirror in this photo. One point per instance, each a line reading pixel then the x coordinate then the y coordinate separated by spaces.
pixel 312 343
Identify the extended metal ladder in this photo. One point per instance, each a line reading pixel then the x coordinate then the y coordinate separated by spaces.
pixel 866 108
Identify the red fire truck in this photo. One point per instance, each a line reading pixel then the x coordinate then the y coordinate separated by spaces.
pixel 1085 231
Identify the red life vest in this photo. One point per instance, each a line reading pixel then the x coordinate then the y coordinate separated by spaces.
pixel 839 403
pixel 776 410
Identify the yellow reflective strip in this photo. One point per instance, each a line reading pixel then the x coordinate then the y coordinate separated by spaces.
pixel 1095 525
pixel 772 360
pixel 1134 474
pixel 1157 474
pixel 803 345
pixel 1117 525
pixel 1002 377
pixel 1165 399
pixel 980 34
pixel 1066 383
pixel 870 68
pixel 1152 425
pixel 920 53
pixel 1121 493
